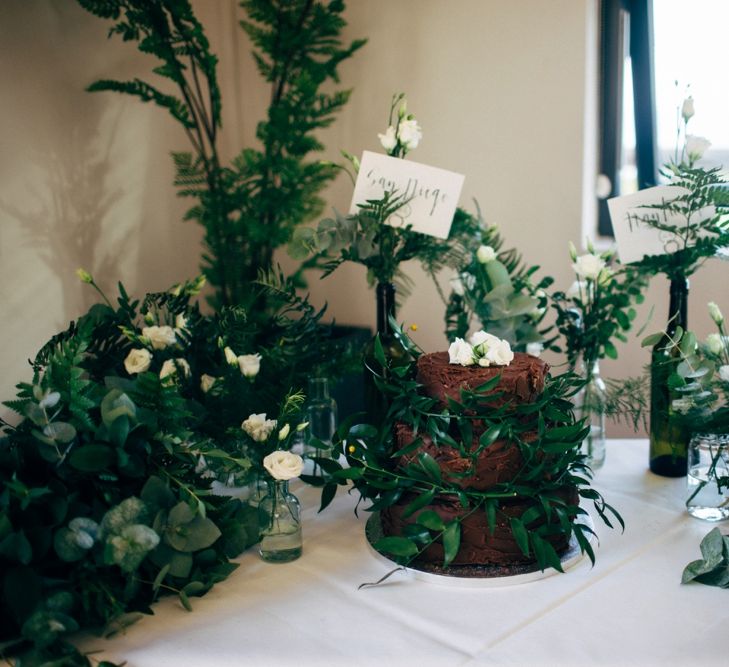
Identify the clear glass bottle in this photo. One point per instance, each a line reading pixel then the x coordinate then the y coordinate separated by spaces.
pixel 708 477
pixel 590 405
pixel 321 413
pixel 279 515
pixel 668 438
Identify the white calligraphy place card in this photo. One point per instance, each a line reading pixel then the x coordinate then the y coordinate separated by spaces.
pixel 635 237
pixel 431 194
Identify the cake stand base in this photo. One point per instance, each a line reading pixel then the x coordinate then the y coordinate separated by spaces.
pixel 476 576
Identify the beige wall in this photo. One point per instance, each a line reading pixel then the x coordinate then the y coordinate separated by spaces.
pixel 504 89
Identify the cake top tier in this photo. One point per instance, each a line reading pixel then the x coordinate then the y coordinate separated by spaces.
pixel 521 381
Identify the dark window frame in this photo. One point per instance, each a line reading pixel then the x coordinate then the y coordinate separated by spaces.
pixel 624 21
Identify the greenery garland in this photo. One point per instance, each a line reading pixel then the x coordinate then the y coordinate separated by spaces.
pixel 552 463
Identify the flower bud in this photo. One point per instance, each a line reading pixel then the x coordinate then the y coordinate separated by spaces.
pixel 687 109
pixel 84 276
pixel 573 251
pixel 284 432
pixel 715 314
pixel 485 254
pixel 301 426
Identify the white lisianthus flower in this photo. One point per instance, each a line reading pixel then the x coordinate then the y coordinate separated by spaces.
pixel 169 368
pixel 715 313
pixel 696 146
pixel 482 338
pixel 249 365
pixel 534 349
pixel 724 373
pixel 138 361
pixel 409 133
pixel 500 353
pixel 388 140
pixel 714 343
pixel 485 254
pixel 283 433
pixel 180 322
pixel 258 427
pixel 589 266
pixel 207 382
pixel 230 356
pixel 491 350
pixel 460 352
pixel 159 337
pixel 283 465
pixel 687 109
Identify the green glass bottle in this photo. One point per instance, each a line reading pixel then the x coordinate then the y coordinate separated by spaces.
pixel 376 404
pixel 668 438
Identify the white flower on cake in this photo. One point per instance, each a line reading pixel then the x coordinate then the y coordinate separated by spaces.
pixel 258 427
pixel 389 139
pixel 696 146
pixel 460 352
pixel 138 361
pixel 159 337
pixel 409 133
pixel 589 266
pixel 169 369
pixel 491 350
pixel 249 365
pixel 283 465
pixel 485 254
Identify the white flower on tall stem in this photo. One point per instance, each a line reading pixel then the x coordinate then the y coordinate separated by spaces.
pixel 389 139
pixel 169 370
pixel 230 356
pixel 258 427
pixel 485 254
pixel 588 266
pixel 696 147
pixel 180 322
pixel 687 109
pixel 409 133
pixel 716 314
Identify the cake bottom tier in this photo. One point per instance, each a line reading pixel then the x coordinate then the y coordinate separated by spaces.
pixel 478 546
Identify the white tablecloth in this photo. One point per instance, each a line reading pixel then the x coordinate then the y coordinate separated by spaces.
pixel 630 609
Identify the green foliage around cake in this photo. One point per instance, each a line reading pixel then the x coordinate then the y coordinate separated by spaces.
pixel 106 495
pixel 251 206
pixel 552 465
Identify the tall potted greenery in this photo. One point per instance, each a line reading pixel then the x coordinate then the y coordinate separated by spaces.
pixel 250 206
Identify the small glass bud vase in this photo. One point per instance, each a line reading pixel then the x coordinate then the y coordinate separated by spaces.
pixel 279 515
pixel 321 413
pixel 590 405
pixel 708 477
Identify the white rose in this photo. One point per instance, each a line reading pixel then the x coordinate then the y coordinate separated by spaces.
pixel 283 465
pixel 258 427
pixel 138 361
pixel 160 337
pixel 230 356
pixel 715 313
pixel 589 266
pixel 534 349
pixel 249 365
pixel 500 354
pixel 169 368
pixel 485 254
pixel 687 109
pixel 482 337
pixel 460 352
pixel 696 146
pixel 409 134
pixel 207 382
pixel 180 322
pixel 724 373
pixel 388 140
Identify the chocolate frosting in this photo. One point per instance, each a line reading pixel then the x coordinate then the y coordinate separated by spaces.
pixel 521 381
pixel 479 546
pixel 497 463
